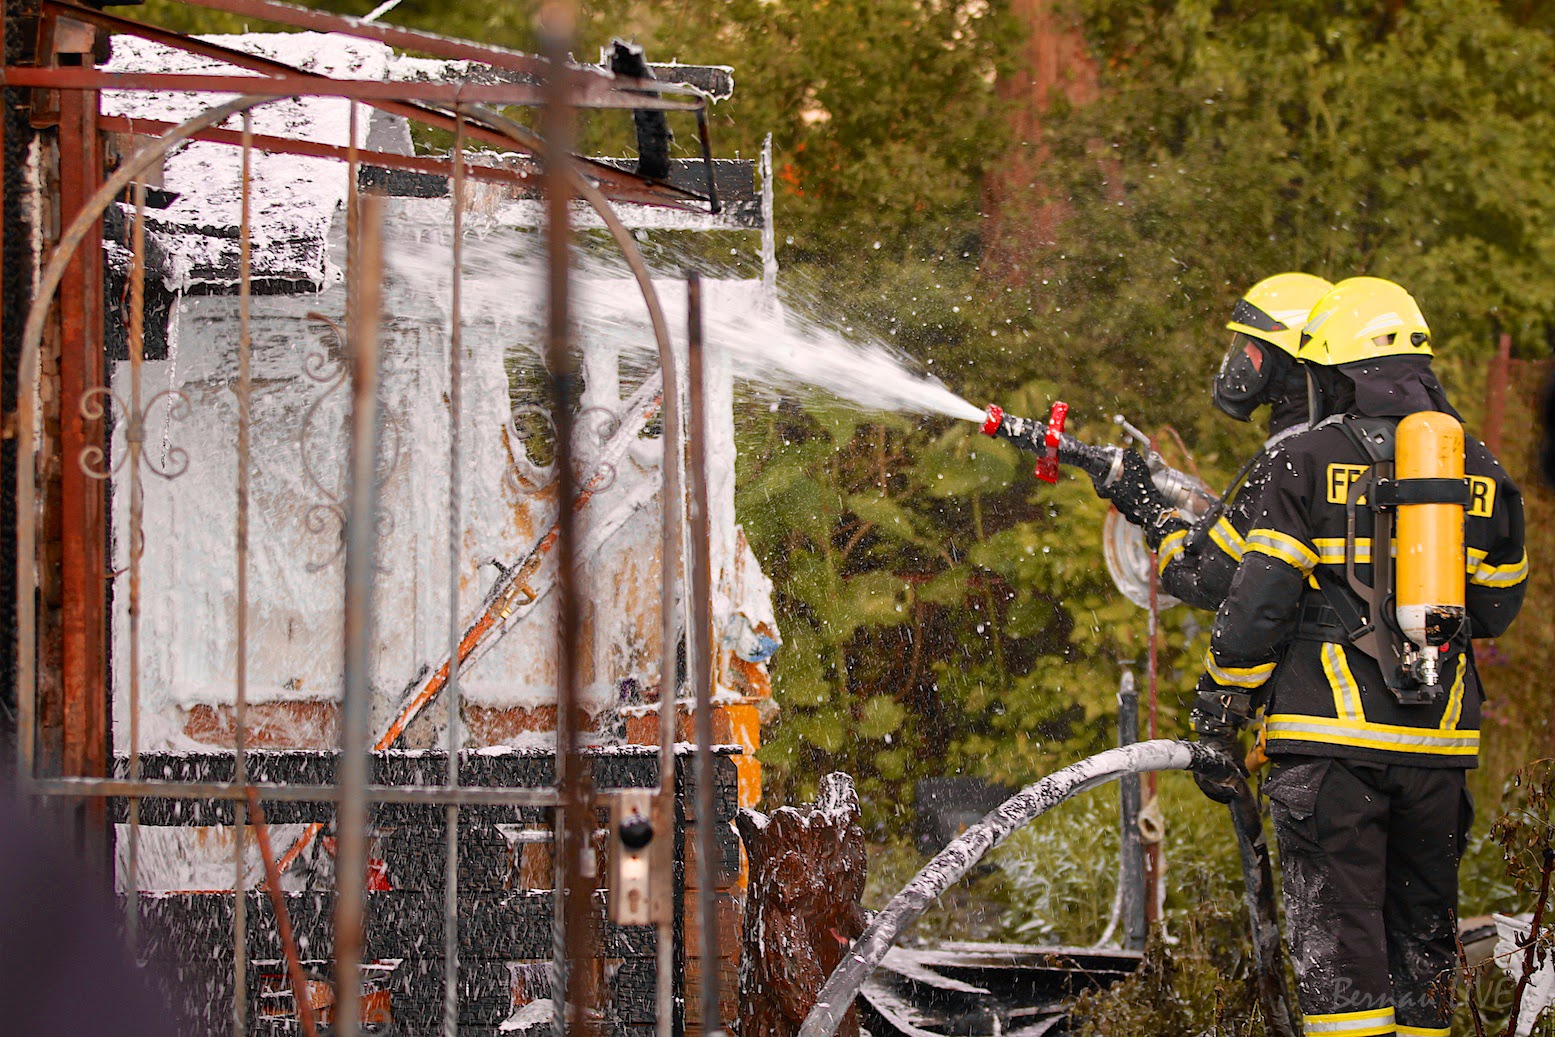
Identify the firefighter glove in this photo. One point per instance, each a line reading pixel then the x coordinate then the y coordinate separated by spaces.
pixel 1218 709
pixel 1218 714
pixel 1228 746
pixel 1133 491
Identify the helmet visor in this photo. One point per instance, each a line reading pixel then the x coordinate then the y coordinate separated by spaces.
pixel 1241 384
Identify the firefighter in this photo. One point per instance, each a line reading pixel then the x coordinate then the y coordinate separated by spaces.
pixel 1197 561
pixel 1368 755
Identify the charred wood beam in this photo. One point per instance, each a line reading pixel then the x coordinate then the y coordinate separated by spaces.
pixel 653 128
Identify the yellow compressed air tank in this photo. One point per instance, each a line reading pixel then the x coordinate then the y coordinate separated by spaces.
pixel 1430 568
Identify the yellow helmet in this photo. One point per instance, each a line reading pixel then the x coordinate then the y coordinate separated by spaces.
pixel 1275 308
pixel 1266 323
pixel 1364 318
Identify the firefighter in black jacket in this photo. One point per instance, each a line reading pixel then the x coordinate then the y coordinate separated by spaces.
pixel 1198 560
pixel 1369 734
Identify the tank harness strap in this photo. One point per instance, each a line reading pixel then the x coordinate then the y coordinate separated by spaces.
pixel 1351 610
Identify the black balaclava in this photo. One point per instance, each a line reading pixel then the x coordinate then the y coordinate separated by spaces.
pixel 1329 392
pixel 1288 398
pixel 1396 386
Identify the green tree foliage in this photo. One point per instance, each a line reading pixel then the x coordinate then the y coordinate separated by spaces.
pixel 1231 141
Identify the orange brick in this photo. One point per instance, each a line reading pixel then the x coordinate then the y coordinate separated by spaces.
pixel 724 879
pixel 727 914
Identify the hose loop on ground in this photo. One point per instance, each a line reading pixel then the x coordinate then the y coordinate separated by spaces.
pixel 956 859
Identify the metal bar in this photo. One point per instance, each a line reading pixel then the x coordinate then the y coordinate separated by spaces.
pixel 699 655
pixel 29 366
pixel 707 161
pixel 424 795
pixel 1131 875
pixel 641 195
pixel 366 270
pixel 240 676
pixel 70 78
pixel 4 26
pixel 627 186
pixel 313 149
pixel 426 42
pixel 134 444
pixel 83 511
pixel 669 599
pixel 1154 891
pixel 455 631
pixel 572 986
pixel 283 918
pixel 672 501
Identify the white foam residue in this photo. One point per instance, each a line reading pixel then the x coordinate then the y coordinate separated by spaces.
pixel 294 198
pixel 531 1016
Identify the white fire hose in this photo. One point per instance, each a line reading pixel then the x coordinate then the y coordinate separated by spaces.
pixel 955 860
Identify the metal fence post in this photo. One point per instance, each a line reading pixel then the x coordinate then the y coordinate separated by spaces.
pixel 1131 864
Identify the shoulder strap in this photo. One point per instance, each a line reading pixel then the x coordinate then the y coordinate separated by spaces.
pixel 1373 437
pixel 1344 603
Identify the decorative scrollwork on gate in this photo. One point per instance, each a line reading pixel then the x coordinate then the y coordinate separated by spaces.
pixel 94 460
pixel 593 428
pixel 326 365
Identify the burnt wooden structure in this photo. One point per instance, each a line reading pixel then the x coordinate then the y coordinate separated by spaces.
pixel 505 907
pixel 802 906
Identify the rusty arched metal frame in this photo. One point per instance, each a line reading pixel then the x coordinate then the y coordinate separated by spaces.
pixel 28 378
pixel 48 285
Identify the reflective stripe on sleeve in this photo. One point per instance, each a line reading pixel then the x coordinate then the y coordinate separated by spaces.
pixel 1237 676
pixel 1284 547
pixel 1225 536
pixel 1350 1024
pixel 1347 693
pixel 1423 1031
pixel 1172 546
pixel 1485 575
pixel 1363 734
pixel 1330 550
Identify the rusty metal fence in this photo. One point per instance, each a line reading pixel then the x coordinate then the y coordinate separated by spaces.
pixel 469 111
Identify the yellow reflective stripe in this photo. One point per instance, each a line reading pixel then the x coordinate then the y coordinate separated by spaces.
pixel 1225 536
pixel 1423 1031
pixel 1509 575
pixel 1347 693
pixel 1366 735
pixel 1454 711
pixel 1330 550
pixel 1237 676
pixel 1171 547
pixel 1284 547
pixel 1350 1024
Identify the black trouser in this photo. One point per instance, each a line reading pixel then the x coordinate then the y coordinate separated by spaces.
pixel 1370 854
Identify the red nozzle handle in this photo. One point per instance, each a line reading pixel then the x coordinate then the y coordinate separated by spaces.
pixel 995 419
pixel 1047 464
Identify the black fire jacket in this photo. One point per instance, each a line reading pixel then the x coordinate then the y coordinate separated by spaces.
pixel 1197 562
pixel 1323 697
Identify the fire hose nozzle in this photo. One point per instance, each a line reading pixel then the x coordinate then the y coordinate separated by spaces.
pixel 1047 462
pixel 995 419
